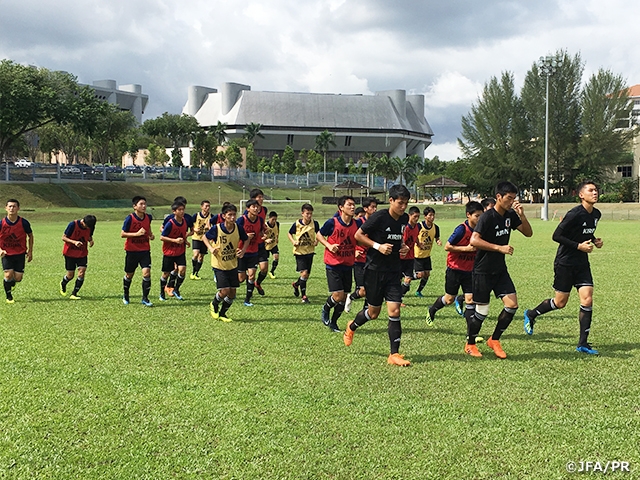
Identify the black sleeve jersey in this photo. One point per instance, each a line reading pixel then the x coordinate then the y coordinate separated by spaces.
pixel 577 226
pixel 494 228
pixel 381 227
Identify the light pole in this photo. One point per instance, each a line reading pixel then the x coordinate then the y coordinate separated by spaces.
pixel 548 66
pixel 219 197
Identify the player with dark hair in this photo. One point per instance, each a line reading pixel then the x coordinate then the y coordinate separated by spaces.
pixel 174 245
pixel 253 225
pixel 382 233
pixel 16 246
pixel 338 237
pixel 201 224
pixel 263 254
pixel 488 203
pixel 136 231
pixel 410 238
pixel 223 241
pixel 302 235
pixel 576 236
pixel 77 238
pixel 369 205
pixel 428 235
pixel 271 242
pixel 491 239
pixel 460 258
pixel 173 275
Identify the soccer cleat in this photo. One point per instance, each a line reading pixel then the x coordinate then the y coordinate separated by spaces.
pixel 177 295
pixel 74 297
pixel 528 323
pixel 347 337
pixel 192 276
pixel 225 319
pixel 272 276
pixel 214 307
pixel 125 300
pixel 333 326
pixel 325 317
pixel 213 310
pixel 196 276
pixel 419 295
pixel 347 304
pixel 248 304
pixel 146 302
pixel 496 347
pixel 587 348
pixel 472 350
pixel 63 289
pixel 459 306
pixel 259 288
pixel 168 291
pixel 305 299
pixel 162 299
pixel 397 359
pixel 10 301
pixel 431 316
pixel 479 339
pixel 296 290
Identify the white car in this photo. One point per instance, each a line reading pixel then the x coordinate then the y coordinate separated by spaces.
pixel 23 163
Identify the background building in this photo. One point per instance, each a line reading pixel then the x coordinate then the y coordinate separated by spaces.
pixel 126 97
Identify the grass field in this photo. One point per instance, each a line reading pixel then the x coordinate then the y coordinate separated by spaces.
pixel 96 389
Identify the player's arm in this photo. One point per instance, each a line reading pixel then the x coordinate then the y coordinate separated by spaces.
pixel 363 239
pixel 209 240
pixel 525 227
pixel 324 233
pixel 449 247
pixel 245 242
pixel 166 231
pixel 438 241
pixel 30 248
pixel 66 236
pixel 560 236
pixel 291 234
pixel 481 244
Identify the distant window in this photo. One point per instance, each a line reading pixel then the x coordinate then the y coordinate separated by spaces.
pixel 289 139
pixel 347 141
pixel 625 170
pixel 636 102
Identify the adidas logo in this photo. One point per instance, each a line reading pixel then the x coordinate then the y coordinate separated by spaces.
pixel 584 224
pixel 496 227
pixel 347 241
pixel 228 248
pixel 388 229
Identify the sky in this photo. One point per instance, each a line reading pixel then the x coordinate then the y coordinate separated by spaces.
pixel 446 51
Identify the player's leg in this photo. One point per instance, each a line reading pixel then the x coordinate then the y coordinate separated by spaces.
pixel 563 281
pixel 482 285
pixel 9 278
pixel 375 296
pixel 251 276
pixel 70 267
pixel 263 266
pixel 274 262
pixel 586 305
pixel 146 279
pixel 393 295
pixel 182 272
pixel 451 288
pixel 506 291
pixel 82 270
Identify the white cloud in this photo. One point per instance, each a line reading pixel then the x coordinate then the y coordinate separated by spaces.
pixel 444 151
pixel 452 88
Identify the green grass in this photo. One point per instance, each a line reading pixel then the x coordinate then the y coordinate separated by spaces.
pixel 95 389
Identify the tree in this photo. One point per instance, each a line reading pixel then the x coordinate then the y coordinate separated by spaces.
pixel 386 168
pixel 314 161
pixel 157 155
pixel 252 158
pixel 252 132
pixel 31 97
pixel 178 129
pixel 233 155
pixel 324 141
pixel 109 140
pixel 56 138
pixel 205 148
pixel 288 160
pixel 220 133
pixel 276 164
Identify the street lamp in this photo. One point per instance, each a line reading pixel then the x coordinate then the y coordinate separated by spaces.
pixel 242 193
pixel 219 197
pixel 548 66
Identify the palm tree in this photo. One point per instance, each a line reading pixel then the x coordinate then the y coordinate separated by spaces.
pixel 220 132
pixel 252 132
pixel 323 142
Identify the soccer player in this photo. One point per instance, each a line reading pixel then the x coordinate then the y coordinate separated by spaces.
pixel 253 225
pixel 16 245
pixel 382 233
pixel 77 238
pixel 137 233
pixel 223 241
pixel 174 245
pixel 410 238
pixel 338 237
pixel 263 254
pixel 428 235
pixel 460 258
pixel 201 224
pixel 576 236
pixel 488 203
pixel 491 239
pixel 271 242
pixel 302 235
pixel 369 205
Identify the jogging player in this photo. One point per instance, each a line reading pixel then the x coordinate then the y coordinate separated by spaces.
pixel 263 254
pixel 302 235
pixel 382 233
pixel 174 247
pixel 491 239
pixel 410 238
pixel 271 242
pixel 16 246
pixel 369 206
pixel 576 236
pixel 253 225
pixel 77 238
pixel 137 233
pixel 428 235
pixel 201 224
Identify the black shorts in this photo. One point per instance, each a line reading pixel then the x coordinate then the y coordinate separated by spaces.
pixel 407 267
pixel 274 251
pixel 71 263
pixel 168 262
pixel 200 246
pixel 422 264
pixel 226 278
pixel 245 263
pixel 133 259
pixel 454 279
pixel 304 262
pixel 263 255
pixel 382 286
pixel 483 284
pixel 339 280
pixel 358 274
pixel 14 262
pixel 575 276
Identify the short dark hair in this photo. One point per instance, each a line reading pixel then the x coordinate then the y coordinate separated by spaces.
pixel 255 192
pixel 399 192
pixel 428 210
pixel 368 201
pixel 180 199
pixel 13 200
pixel 273 214
pixel 581 185
pixel 413 210
pixel 136 199
pixel 306 206
pixel 343 199
pixel 487 202
pixel 229 207
pixel 204 201
pixel 89 220
pixel 177 205
pixel 252 202
pixel 359 211
pixel 473 207
pixel 506 187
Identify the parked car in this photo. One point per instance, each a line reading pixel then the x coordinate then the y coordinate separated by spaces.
pixel 70 169
pixel 23 163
